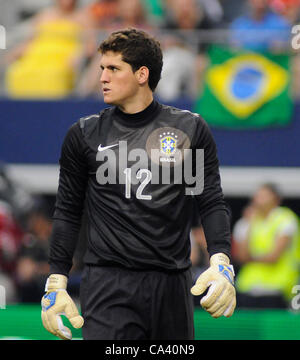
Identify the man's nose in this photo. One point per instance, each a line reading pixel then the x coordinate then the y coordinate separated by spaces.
pixel 104 78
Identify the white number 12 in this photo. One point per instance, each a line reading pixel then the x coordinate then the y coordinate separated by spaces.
pixel 142 185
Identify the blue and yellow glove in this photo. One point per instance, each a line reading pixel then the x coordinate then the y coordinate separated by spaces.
pixel 219 278
pixel 57 302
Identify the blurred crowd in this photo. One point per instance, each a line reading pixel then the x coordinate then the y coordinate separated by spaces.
pixel 25 229
pixel 52 44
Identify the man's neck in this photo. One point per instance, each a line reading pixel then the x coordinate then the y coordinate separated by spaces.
pixel 136 105
pixel 266 212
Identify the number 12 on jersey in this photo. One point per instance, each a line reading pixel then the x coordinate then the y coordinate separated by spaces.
pixel 143 184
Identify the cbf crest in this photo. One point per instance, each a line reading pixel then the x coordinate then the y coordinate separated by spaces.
pixel 165 146
pixel 168 143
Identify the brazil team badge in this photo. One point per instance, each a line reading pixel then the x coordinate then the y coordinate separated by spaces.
pixel 168 143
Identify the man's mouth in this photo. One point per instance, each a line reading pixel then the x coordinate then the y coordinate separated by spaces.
pixel 105 90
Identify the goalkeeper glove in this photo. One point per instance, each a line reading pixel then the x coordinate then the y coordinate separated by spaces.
pixel 57 302
pixel 221 298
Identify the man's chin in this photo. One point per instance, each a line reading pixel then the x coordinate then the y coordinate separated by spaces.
pixel 108 100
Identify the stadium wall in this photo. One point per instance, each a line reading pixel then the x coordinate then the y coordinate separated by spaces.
pixel 32 133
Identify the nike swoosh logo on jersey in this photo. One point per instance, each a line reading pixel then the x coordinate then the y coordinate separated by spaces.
pixel 102 148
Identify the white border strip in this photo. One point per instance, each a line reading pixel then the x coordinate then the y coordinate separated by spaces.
pixel 236 181
pixel 243 181
pixel 38 179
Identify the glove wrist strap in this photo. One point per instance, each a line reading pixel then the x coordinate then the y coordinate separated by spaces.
pixel 219 258
pixel 56 282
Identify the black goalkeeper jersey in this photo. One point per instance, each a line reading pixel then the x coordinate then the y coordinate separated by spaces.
pixel 127 171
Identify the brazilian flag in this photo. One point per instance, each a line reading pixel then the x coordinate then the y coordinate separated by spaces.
pixel 245 90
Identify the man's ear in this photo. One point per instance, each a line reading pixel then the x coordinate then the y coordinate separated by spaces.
pixel 142 75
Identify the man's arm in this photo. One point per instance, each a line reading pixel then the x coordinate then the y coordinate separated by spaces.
pixel 282 241
pixel 66 225
pixel 218 278
pixel 213 210
pixel 69 202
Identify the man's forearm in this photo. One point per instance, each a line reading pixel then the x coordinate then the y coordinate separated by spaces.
pixel 62 245
pixel 216 226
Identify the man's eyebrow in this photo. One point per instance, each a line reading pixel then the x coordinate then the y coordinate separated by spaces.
pixel 109 66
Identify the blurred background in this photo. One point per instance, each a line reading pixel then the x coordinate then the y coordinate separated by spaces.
pixel 235 62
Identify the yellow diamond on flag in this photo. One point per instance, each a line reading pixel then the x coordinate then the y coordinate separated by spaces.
pixel 245 82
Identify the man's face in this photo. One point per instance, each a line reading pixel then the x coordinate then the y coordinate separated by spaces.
pixel 259 4
pixel 264 199
pixel 119 83
pixel 66 5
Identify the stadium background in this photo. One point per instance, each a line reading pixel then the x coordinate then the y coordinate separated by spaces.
pixel 32 129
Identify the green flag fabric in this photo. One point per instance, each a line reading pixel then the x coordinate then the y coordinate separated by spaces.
pixel 244 90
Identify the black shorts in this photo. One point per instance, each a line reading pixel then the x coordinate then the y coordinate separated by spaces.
pixel 122 304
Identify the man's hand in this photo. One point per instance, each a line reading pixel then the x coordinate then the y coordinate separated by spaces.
pixel 221 298
pixel 57 302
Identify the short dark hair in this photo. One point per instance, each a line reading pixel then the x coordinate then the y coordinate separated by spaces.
pixel 138 49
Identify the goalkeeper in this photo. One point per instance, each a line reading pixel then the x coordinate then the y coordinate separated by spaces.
pixel 136 283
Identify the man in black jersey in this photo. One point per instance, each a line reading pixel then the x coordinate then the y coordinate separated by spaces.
pixel 135 169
